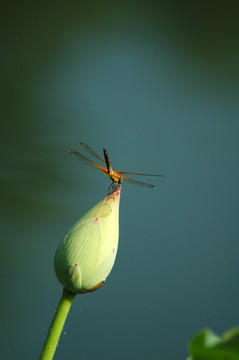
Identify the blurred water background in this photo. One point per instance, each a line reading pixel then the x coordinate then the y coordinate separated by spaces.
pixel 157 84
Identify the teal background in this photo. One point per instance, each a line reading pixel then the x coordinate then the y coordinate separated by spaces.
pixel 157 85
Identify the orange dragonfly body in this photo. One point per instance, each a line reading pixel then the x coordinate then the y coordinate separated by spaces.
pixel 116 176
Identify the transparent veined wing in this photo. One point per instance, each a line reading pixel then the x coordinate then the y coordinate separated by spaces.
pixel 90 151
pixel 85 159
pixel 136 182
pixel 134 173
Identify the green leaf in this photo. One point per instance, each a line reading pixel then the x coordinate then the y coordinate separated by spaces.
pixel 208 346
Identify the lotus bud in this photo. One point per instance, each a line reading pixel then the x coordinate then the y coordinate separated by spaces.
pixel 87 253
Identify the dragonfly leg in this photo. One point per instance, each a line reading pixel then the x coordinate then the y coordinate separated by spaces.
pixel 113 186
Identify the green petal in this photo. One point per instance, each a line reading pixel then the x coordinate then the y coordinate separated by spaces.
pixel 87 253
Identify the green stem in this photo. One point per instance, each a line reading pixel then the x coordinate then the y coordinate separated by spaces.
pixel 57 324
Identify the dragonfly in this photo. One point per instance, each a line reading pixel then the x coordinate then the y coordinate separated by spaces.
pixel 117 177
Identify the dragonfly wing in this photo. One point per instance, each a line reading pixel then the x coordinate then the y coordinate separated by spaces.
pixel 83 158
pixel 90 151
pixel 135 182
pixel 134 173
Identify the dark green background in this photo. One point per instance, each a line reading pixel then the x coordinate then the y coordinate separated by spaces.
pixel 157 84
